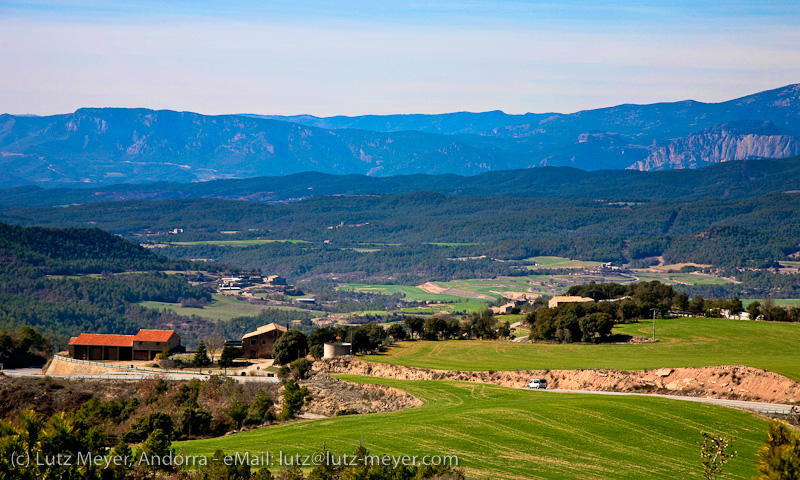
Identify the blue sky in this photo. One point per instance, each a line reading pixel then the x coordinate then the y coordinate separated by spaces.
pixel 367 57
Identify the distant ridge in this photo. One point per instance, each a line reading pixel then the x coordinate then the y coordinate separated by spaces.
pixel 104 146
pixel 730 179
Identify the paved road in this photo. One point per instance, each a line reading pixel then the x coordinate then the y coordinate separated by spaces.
pixel 760 407
pixel 125 376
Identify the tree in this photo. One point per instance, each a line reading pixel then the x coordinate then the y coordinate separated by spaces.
pixel 292 345
pixel 300 368
pixel 121 469
pixel 321 336
pixel 397 332
pixel 593 324
pixel 200 358
pixel 157 448
pixel 698 305
pixel 317 351
pixel 628 310
pixel 735 306
pixel 779 456
pixel 214 342
pixel 226 358
pixel 263 474
pixel 218 469
pixel 504 330
pixel 238 412
pixel 415 325
pixel 294 397
pixel 193 420
pixel 261 409
pixel 714 454
pixel 681 302
pixel 482 325
pixel 142 426
pixel 433 328
pixel 359 340
pixel 754 310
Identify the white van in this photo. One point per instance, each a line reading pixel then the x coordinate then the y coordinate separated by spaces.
pixel 538 384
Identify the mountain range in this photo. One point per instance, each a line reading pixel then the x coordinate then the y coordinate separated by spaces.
pixel 103 146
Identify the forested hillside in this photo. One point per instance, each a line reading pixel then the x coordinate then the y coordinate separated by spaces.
pixel 63 282
pixel 423 236
pixel 739 179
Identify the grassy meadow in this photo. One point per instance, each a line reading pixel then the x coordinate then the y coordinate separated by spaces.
pixel 683 342
pixel 504 433
pixel 558 262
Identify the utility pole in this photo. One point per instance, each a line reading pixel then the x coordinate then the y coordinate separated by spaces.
pixel 654 322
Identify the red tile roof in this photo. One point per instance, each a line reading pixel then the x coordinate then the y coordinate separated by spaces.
pixel 154 335
pixel 121 340
pixel 99 340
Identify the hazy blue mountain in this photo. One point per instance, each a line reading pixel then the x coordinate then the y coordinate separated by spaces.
pixel 458 123
pixel 111 145
pixel 730 180
pixel 92 146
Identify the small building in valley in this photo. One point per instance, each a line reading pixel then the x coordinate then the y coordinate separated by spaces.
pixel 275 280
pixel 145 345
pixel 558 300
pixel 258 344
pixel 507 307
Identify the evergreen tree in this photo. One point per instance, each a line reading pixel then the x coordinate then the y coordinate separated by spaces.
pixel 226 358
pixel 200 358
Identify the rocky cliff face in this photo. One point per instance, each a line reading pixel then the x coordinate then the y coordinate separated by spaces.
pixel 722 143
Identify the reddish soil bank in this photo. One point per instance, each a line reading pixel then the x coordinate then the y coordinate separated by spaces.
pixel 732 382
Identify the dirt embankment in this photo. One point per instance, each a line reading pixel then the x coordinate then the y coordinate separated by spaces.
pixel 331 395
pixel 60 367
pixel 730 382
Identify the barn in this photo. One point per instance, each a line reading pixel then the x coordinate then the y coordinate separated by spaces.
pixel 142 346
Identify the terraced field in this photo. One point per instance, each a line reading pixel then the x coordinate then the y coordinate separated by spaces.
pixel 509 434
pixel 684 342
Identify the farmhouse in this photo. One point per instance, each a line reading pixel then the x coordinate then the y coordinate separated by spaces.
pixel 558 300
pixel 506 308
pixel 259 344
pixel 275 280
pixel 142 346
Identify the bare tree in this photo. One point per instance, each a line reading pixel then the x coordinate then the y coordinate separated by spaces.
pixel 214 342
pixel 714 454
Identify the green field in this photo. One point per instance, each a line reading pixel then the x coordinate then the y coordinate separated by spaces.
pixel 412 294
pixel 451 244
pixel 221 308
pixel 505 433
pixel 233 243
pixel 781 302
pixel 684 342
pixel 558 262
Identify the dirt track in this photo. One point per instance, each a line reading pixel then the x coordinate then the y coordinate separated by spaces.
pixel 728 382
